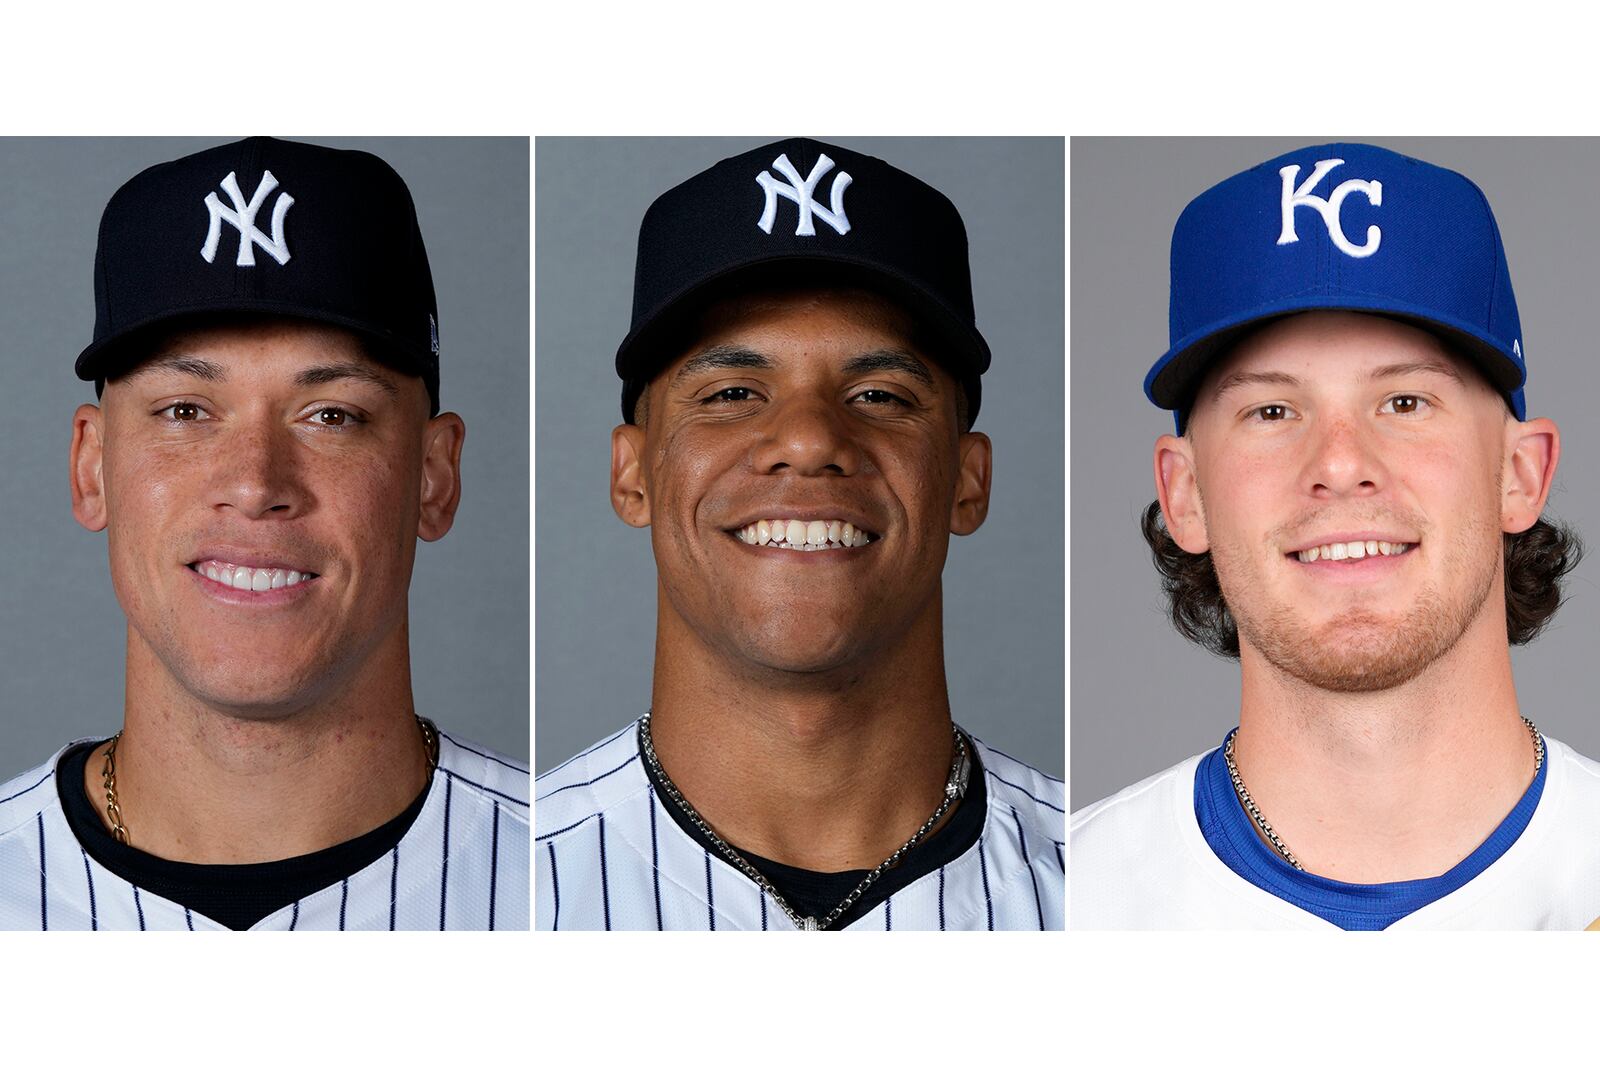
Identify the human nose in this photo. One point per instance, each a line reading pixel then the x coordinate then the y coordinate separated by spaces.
pixel 808 436
pixel 1345 461
pixel 256 473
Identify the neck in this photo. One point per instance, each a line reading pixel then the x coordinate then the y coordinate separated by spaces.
pixel 1391 785
pixel 204 784
pixel 829 770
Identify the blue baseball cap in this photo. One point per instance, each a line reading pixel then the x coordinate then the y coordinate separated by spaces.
pixel 1349 227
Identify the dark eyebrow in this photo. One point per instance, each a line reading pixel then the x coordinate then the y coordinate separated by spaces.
pixel 1419 366
pixel 723 357
pixel 336 372
pixel 1260 377
pixel 191 365
pixel 890 360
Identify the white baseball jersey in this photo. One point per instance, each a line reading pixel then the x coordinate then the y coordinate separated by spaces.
pixel 1140 861
pixel 463 864
pixel 608 856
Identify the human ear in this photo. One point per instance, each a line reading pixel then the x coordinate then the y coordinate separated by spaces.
pixel 971 505
pixel 1179 493
pixel 1533 449
pixel 629 496
pixel 441 475
pixel 88 482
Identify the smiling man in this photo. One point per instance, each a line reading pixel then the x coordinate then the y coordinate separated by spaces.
pixel 799 386
pixel 1352 508
pixel 266 452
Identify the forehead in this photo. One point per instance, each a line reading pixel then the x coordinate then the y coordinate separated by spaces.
pixel 246 342
pixel 1334 347
pixel 809 319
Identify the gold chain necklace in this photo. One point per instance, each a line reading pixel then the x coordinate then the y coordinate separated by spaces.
pixel 108 774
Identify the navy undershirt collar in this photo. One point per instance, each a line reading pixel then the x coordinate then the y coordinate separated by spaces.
pixel 1232 836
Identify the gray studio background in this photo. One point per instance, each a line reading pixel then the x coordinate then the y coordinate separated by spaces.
pixel 1144 698
pixel 62 634
pixel 596 578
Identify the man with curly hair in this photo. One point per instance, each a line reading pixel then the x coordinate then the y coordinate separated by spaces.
pixel 1351 506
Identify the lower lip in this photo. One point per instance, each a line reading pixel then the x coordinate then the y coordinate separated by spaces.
pixel 1366 569
pixel 800 555
pixel 227 594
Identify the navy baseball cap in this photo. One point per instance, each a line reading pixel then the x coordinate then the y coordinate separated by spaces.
pixel 800 210
pixel 269 227
pixel 1339 227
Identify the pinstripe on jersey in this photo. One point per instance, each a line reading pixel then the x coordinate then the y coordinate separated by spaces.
pixel 608 860
pixel 463 864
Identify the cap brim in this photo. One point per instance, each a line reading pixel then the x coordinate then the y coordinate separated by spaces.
pixel 110 356
pixel 964 352
pixel 1172 382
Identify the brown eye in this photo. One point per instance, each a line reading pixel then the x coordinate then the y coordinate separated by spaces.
pixel 1273 412
pixel 185 412
pixel 1406 405
pixel 332 417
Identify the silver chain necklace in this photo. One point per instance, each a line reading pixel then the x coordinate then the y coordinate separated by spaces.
pixel 1272 835
pixel 955 787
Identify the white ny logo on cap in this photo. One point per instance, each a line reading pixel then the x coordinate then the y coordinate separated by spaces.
pixel 242 217
pixel 1329 208
pixel 801 193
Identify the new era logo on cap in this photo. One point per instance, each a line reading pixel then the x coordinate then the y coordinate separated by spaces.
pixel 1339 227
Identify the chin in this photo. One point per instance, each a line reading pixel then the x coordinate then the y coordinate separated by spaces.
pixel 797 650
pixel 1361 652
pixel 251 691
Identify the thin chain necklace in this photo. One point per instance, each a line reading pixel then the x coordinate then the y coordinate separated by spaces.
pixel 955 787
pixel 1272 835
pixel 108 774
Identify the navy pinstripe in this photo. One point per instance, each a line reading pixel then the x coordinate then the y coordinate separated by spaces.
pixel 188 918
pixel 344 898
pixel 988 898
pixel 711 910
pixel 1061 857
pixel 941 896
pixel 763 894
pixel 605 881
pixel 394 881
pixel 1022 843
pixel 888 923
pixel 1025 793
pixel 138 905
pixel 294 916
pixel 444 871
pixel 480 786
pixel 564 829
pixel 592 781
pixel 94 916
pixel 586 752
pixel 555 890
pixel 494 861
pixel 30 789
pixel 490 756
pixel 655 855
pixel 44 906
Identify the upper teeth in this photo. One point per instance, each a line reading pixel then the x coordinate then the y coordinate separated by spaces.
pixel 256 579
pixel 1352 550
pixel 803 536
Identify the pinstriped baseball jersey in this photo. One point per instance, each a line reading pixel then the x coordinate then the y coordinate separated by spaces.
pixel 608 856
pixel 463 864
